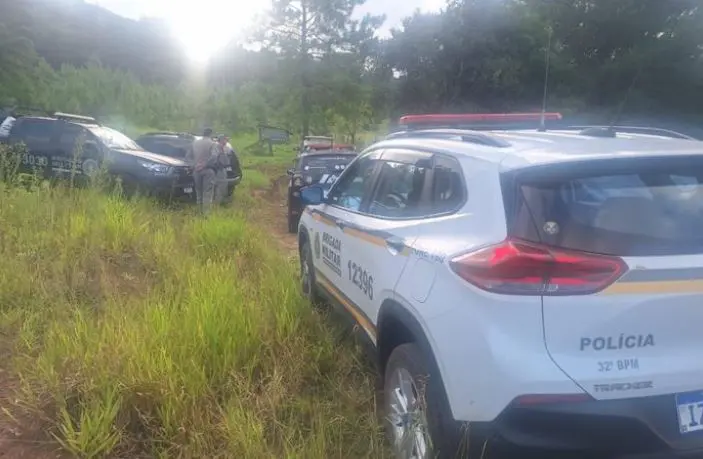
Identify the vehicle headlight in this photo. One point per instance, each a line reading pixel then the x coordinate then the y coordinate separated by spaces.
pixel 155 168
pixel 308 179
pixel 297 182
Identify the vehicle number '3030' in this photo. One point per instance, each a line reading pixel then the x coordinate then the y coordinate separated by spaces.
pixel 361 278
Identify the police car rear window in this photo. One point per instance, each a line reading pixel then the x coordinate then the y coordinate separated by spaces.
pixel 326 161
pixel 641 213
pixel 163 148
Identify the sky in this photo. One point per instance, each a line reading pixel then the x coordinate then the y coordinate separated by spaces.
pixel 205 25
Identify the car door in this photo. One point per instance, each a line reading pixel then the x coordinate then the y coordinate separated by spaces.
pixel 333 241
pixel 36 135
pixel 72 150
pixel 381 234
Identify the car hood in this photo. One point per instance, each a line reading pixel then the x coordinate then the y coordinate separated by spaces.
pixel 153 157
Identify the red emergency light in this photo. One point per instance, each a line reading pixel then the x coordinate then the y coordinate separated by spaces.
pixel 467 118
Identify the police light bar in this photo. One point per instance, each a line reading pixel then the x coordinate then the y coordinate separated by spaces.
pixel 469 118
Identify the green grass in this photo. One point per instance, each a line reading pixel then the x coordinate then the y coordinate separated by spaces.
pixel 255 179
pixel 136 331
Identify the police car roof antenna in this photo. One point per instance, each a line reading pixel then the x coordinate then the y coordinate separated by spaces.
pixel 547 52
pixel 618 112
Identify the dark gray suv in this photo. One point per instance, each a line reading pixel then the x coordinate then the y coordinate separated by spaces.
pixel 61 145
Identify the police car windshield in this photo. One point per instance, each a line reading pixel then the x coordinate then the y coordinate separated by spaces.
pixel 114 139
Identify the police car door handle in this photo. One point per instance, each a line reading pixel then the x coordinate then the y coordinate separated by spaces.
pixel 395 245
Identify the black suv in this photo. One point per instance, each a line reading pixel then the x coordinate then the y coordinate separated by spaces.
pixel 176 145
pixel 314 166
pixel 62 144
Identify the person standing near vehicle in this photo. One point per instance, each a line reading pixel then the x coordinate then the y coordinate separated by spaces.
pixel 203 156
pixel 221 171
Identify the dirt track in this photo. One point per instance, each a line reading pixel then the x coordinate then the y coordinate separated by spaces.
pixel 272 214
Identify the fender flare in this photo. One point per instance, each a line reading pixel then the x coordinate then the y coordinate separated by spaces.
pixel 303 234
pixel 392 314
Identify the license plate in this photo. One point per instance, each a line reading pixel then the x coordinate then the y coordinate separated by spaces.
pixel 689 407
pixel 187 190
pixel 229 169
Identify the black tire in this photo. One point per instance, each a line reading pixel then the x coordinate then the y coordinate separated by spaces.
pixel 445 438
pixel 307 275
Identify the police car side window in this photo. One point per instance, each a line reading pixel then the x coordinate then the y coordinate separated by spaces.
pixel 35 133
pixel 354 185
pixel 399 190
pixel 448 188
pixel 70 139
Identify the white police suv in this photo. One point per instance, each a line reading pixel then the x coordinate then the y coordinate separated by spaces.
pixel 537 290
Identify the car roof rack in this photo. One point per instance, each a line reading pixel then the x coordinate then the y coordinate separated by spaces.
pixel 476 121
pixel 611 131
pixel 75 118
pixel 464 135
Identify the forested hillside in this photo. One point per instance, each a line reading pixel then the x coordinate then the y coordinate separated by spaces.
pixel 321 71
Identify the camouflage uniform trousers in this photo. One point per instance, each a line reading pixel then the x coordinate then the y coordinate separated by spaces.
pixel 220 186
pixel 204 189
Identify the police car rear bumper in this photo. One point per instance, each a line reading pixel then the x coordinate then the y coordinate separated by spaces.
pixel 635 428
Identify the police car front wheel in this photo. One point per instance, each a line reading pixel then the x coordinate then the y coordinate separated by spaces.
pixel 307 274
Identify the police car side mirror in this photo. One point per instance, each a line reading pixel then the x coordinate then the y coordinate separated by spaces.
pixel 312 195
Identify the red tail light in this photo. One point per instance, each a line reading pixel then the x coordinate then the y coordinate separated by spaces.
pixel 522 268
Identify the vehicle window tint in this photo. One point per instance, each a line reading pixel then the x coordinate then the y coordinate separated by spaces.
pixel 163 147
pixel 323 169
pixel 649 213
pixel 399 190
pixel 354 185
pixel 70 137
pixel 114 139
pixel 448 190
pixel 35 132
pixel 147 144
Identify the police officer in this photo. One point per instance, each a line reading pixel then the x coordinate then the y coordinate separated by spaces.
pixel 203 157
pixel 224 151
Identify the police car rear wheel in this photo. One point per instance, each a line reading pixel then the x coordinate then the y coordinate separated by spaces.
pixel 405 415
pixel 417 418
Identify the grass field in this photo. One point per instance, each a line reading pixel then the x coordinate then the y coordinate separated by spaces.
pixel 131 330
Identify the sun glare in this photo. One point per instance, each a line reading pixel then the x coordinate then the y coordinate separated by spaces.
pixel 208 25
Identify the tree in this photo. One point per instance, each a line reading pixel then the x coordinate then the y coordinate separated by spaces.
pixel 305 31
